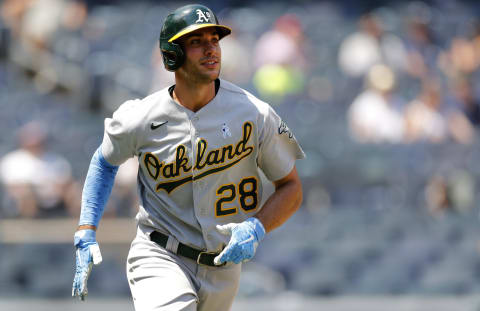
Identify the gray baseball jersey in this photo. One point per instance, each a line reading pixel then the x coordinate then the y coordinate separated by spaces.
pixel 200 169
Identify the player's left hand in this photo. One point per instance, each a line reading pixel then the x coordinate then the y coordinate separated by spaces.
pixel 87 254
pixel 244 240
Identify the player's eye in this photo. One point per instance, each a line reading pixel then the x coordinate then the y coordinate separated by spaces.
pixel 194 41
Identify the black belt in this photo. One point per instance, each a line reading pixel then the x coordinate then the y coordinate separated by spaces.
pixel 201 257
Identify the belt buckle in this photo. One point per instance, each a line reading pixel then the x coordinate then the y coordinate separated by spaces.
pixel 207 253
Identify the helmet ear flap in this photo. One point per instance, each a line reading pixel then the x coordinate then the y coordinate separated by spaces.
pixel 173 55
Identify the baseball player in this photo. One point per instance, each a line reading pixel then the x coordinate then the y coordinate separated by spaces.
pixel 200 145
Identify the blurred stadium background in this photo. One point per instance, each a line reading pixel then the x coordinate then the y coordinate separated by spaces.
pixel 383 95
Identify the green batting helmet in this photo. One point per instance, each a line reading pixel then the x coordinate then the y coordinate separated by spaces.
pixel 181 22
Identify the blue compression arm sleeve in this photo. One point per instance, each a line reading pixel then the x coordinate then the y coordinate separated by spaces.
pixel 97 188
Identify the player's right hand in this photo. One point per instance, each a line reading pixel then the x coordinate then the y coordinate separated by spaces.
pixel 87 254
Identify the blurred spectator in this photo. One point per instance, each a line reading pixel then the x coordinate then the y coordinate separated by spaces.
pixel 423 50
pixel 452 191
pixel 38 181
pixel 280 59
pixel 40 21
pixel 465 99
pixel 35 25
pixel 74 15
pixel 282 45
pixel 428 118
pixel 12 13
pixel 375 115
pixel 371 45
pixel 424 115
pixel 436 196
pixel 460 59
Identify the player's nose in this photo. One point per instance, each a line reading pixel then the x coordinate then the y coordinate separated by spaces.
pixel 209 48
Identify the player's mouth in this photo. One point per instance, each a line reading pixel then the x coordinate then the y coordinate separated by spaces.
pixel 210 63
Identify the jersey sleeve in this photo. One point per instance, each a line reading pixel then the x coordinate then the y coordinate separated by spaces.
pixel 119 139
pixel 278 147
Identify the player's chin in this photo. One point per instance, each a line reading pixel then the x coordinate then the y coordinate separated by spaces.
pixel 211 69
pixel 211 75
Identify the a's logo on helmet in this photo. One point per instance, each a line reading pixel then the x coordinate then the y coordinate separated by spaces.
pixel 203 17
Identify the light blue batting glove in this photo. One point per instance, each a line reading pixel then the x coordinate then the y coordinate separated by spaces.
pixel 244 240
pixel 87 254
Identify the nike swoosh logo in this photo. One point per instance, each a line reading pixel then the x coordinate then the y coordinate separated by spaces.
pixel 154 126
